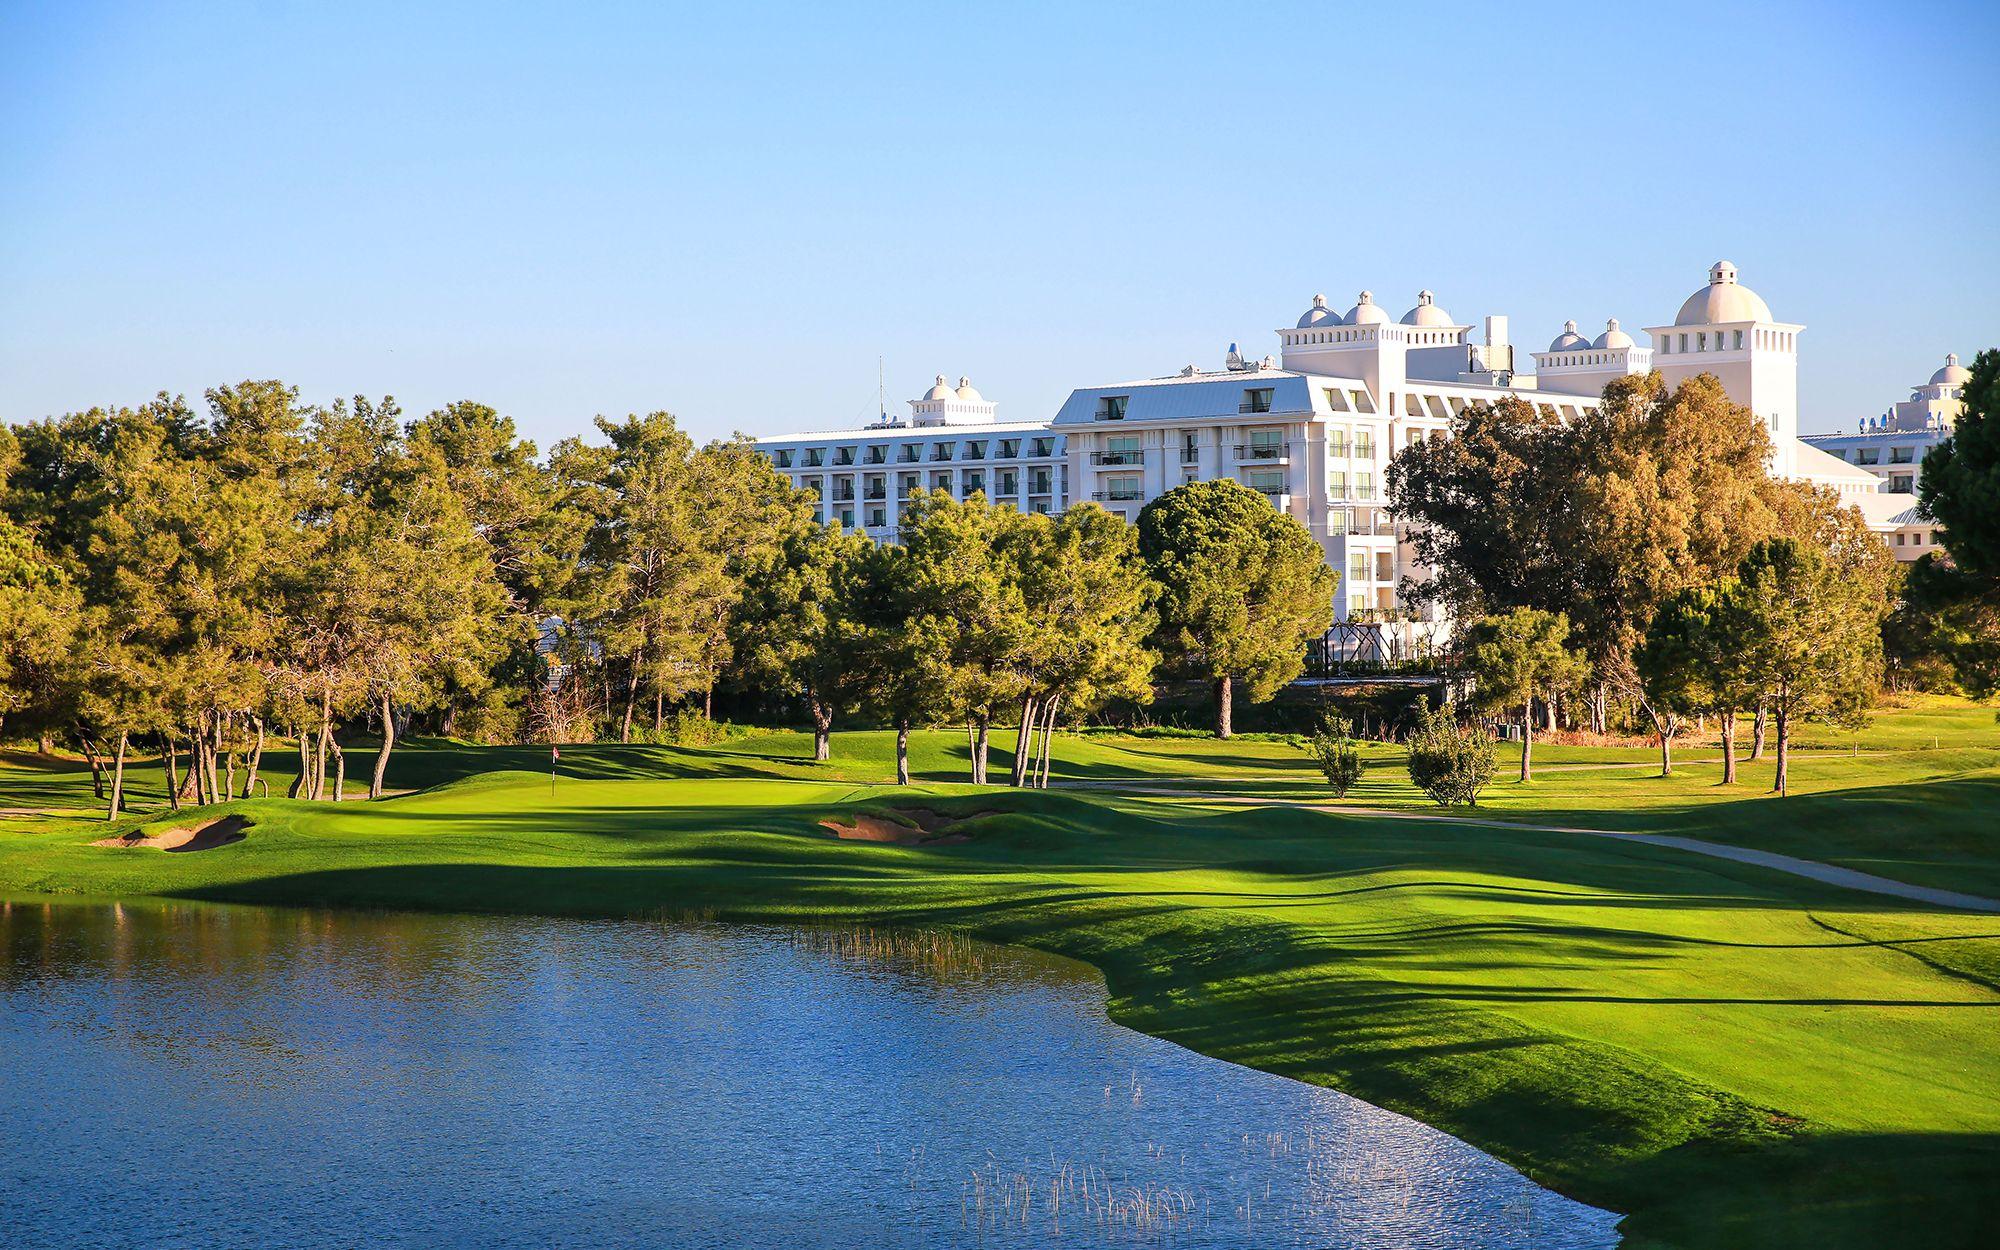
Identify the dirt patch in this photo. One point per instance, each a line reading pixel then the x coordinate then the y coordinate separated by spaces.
pixel 912 826
pixel 206 837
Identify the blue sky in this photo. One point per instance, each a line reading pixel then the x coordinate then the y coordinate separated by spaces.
pixel 730 212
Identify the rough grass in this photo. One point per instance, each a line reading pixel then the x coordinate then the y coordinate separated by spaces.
pixel 1733 1056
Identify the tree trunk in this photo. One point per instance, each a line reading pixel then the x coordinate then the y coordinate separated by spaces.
pixel 1224 690
pixel 822 732
pixel 1527 738
pixel 1663 727
pixel 1048 736
pixel 173 778
pixel 708 702
pixel 117 779
pixel 1024 741
pixel 47 743
pixel 339 768
pixel 902 754
pixel 299 785
pixel 1784 747
pixel 1729 747
pixel 388 745
pixel 96 765
pixel 631 697
pixel 256 759
pixel 1549 713
pixel 979 754
pixel 1757 734
pixel 229 783
pixel 659 712
pixel 972 751
pixel 1598 718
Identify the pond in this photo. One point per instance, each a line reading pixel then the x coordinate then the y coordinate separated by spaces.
pixel 186 1075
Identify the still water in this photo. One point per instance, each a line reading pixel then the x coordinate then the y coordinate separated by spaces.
pixel 204 1076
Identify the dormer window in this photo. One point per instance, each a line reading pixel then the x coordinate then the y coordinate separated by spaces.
pixel 843 455
pixel 1256 399
pixel 782 457
pixel 1045 447
pixel 1112 407
pixel 876 454
pixel 815 457
pixel 1010 448
pixel 975 450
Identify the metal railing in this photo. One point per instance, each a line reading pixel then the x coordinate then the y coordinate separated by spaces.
pixel 1118 496
pixel 1117 457
pixel 1262 451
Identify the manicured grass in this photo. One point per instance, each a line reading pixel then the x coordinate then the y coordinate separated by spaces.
pixel 1735 1057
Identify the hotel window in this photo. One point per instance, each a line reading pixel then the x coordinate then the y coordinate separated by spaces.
pixel 847 518
pixel 1899 541
pixel 1357 602
pixel 1867 455
pixel 1112 407
pixel 1364 486
pixel 843 455
pixel 1336 443
pixel 1901 484
pixel 941 481
pixel 1336 484
pixel 1701 341
pixel 1040 507
pixel 941 451
pixel 1121 489
pixel 1739 338
pixel 1010 483
pixel 1357 567
pixel 1339 520
pixel 1257 399
pixel 1190 449
pixel 1902 455
pixel 974 480
pixel 876 454
pixel 815 457
pixel 877 518
pixel 1268 481
pixel 1044 447
pixel 1412 407
pixel 1266 444
pixel 1436 406
pixel 1335 401
pixel 909 453
pixel 1010 448
pixel 1364 445
pixel 907 485
pixel 1038 482
pixel 782 457
pixel 1684 342
pixel 1362 403
pixel 1385 566
pixel 1121 450
pixel 976 450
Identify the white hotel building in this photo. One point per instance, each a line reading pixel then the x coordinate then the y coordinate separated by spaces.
pixel 1312 428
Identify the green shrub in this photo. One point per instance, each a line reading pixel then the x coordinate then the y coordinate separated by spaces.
pixel 1449 762
pixel 687 728
pixel 1332 747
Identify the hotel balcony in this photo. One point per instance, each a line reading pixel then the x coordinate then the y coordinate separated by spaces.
pixel 1133 495
pixel 1117 457
pixel 1276 453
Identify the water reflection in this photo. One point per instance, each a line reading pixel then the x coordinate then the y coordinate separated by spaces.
pixel 191 1075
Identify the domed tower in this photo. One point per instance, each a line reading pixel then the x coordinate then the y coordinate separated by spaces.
pixel 944 404
pixel 1575 365
pixel 1727 330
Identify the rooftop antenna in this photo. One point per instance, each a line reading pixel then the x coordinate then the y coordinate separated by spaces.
pixel 881 393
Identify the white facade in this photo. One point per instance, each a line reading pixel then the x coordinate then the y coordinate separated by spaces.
pixel 1892 447
pixel 1313 429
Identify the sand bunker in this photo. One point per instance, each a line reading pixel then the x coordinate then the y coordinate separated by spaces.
pixel 911 826
pixel 197 838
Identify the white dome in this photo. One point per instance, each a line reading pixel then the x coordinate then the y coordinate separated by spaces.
pixel 1319 315
pixel 1953 373
pixel 940 391
pixel 1427 313
pixel 1613 338
pixel 966 392
pixel 1722 301
pixel 1569 340
pixel 1366 312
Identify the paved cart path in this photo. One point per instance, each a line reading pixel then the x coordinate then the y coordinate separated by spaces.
pixel 1811 869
